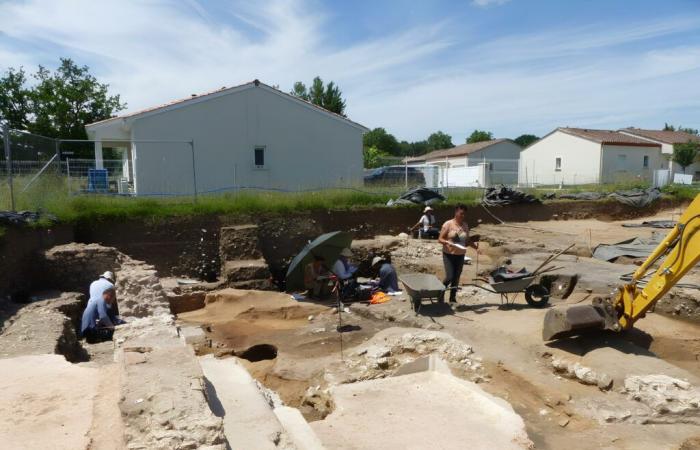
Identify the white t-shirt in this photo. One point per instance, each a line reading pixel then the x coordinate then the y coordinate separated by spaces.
pixel 427 221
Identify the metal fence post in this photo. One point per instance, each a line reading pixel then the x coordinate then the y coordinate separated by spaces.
pixel 8 161
pixel 194 171
pixel 68 174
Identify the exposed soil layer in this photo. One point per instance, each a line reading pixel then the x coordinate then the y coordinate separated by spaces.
pixel 189 246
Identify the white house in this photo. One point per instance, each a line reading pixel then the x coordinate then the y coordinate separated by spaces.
pixel 583 156
pixel 667 139
pixel 247 136
pixel 500 156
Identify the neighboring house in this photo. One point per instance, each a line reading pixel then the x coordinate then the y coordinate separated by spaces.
pixel 248 136
pixel 667 139
pixel 501 155
pixel 582 156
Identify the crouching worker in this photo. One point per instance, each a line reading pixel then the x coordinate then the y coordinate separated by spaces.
pixel 100 316
pixel 426 225
pixel 387 280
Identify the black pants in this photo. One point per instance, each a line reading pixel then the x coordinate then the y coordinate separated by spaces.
pixel 453 270
pixel 95 335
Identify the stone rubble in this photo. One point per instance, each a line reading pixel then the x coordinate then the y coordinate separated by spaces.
pixel 668 399
pixel 139 291
pixel 585 375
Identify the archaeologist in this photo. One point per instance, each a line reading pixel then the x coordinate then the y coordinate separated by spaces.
pixel 107 279
pixel 454 237
pixel 342 268
pixel 426 225
pixel 99 317
pixel 316 278
pixel 387 280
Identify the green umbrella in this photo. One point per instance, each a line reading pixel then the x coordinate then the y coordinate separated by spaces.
pixel 328 246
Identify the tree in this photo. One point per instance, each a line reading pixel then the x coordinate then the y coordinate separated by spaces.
pixel 373 157
pixel 668 127
pixel 15 99
pixel 329 97
pixel 60 104
pixel 439 141
pixel 479 136
pixel 525 139
pixel 413 148
pixel 68 99
pixel 685 154
pixel 382 140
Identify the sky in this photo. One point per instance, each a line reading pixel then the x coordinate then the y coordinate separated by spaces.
pixel 413 67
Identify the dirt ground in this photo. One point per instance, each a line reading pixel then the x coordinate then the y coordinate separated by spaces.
pixel 516 364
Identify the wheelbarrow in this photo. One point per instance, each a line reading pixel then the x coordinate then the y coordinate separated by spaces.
pixel 536 295
pixel 422 286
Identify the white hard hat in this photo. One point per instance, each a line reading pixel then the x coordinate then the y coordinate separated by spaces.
pixel 427 208
pixel 346 252
pixel 109 276
pixel 376 260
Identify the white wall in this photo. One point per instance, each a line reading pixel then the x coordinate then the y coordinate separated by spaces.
pixel 502 160
pixel 304 148
pixel 580 161
pixel 626 163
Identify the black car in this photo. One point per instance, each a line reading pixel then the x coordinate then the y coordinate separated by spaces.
pixel 394 175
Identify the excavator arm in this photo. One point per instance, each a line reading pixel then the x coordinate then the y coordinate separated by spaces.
pixel 678 253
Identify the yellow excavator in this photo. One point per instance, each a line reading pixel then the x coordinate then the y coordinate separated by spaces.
pixel 681 249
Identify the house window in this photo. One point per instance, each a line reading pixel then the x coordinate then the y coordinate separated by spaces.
pixel 646 161
pixel 259 157
pixel 557 164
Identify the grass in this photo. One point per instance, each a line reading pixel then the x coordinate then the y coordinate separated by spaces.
pixel 51 194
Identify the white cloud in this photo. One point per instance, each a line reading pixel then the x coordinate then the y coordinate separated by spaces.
pixel 484 3
pixel 411 81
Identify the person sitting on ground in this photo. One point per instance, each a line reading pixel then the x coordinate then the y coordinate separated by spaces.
pixel 342 267
pixel 316 278
pixel 426 225
pixel 99 318
pixel 387 280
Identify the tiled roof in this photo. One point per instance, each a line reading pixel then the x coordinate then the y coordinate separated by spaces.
pixel 667 137
pixel 460 150
pixel 607 137
pixel 217 91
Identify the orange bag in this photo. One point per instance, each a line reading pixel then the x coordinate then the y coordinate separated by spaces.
pixel 379 297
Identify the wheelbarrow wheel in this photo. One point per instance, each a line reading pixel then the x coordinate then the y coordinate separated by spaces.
pixel 537 295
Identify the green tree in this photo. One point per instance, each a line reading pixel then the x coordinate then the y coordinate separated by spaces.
pixel 69 98
pixel 525 139
pixel 439 141
pixel 669 127
pixel 328 96
pixel 413 148
pixel 479 136
pixel 685 154
pixel 15 99
pixel 373 157
pixel 382 140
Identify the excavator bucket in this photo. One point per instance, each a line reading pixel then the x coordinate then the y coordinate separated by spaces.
pixel 572 321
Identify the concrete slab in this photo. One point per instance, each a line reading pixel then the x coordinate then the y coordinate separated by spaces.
pixel 298 429
pixel 249 421
pixel 38 412
pixel 420 410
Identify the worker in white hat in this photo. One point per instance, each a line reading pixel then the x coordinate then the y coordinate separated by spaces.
pixel 106 281
pixel 426 225
pixel 387 280
pixel 343 268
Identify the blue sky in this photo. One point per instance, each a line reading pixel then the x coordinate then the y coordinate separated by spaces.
pixel 413 67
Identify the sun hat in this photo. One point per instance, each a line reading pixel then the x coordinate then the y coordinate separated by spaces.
pixel 376 260
pixel 346 252
pixel 427 208
pixel 109 276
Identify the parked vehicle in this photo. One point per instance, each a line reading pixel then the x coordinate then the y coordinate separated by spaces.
pixel 394 175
